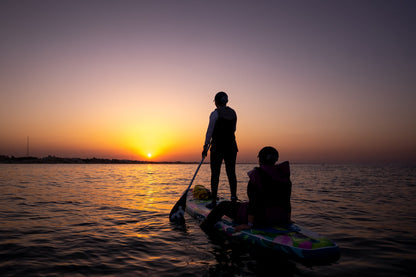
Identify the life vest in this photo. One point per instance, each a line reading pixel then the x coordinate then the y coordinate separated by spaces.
pixel 223 136
pixel 275 192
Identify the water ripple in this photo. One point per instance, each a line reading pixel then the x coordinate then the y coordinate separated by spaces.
pixel 112 220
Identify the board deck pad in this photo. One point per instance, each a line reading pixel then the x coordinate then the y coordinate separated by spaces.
pixel 292 240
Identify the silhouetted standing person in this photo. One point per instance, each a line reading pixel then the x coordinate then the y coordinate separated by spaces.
pixel 221 135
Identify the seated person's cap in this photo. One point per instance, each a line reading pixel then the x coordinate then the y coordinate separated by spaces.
pixel 268 155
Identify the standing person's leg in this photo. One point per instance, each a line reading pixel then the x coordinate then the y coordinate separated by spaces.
pixel 230 161
pixel 215 163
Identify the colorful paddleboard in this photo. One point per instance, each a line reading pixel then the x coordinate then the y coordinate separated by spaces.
pixel 293 240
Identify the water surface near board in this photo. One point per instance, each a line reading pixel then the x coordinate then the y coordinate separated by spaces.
pixel 113 220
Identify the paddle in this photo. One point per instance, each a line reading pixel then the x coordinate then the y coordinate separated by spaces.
pixel 178 211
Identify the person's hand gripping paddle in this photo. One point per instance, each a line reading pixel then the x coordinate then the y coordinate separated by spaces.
pixel 178 211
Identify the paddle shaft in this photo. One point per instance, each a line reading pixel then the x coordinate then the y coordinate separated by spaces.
pixel 197 169
pixel 182 201
pixel 196 172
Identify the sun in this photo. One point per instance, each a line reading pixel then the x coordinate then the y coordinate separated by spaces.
pixel 149 155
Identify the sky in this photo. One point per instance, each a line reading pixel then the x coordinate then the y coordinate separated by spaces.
pixel 321 81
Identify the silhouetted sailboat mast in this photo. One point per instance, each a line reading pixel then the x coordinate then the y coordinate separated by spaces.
pixel 27 149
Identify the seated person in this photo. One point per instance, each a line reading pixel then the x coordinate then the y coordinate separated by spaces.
pixel 268 190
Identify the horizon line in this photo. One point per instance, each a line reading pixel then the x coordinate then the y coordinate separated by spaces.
pixel 51 159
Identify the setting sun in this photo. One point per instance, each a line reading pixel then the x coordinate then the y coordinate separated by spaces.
pixel 149 155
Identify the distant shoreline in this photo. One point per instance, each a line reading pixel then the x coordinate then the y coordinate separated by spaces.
pixel 60 160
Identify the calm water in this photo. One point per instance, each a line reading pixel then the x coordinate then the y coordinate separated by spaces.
pixel 58 220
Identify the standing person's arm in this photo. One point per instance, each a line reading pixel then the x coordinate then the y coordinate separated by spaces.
pixel 212 119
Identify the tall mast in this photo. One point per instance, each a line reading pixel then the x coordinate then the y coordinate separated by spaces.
pixel 27 150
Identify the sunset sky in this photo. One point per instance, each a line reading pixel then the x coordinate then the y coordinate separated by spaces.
pixel 322 81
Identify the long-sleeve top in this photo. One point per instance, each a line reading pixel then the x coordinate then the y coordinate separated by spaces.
pixel 212 119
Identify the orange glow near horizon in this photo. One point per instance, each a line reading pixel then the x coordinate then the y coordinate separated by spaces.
pixel 148 139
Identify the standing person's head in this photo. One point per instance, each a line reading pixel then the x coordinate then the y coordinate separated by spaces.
pixel 221 99
pixel 268 155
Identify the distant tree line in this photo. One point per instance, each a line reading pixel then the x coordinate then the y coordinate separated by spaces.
pixel 59 160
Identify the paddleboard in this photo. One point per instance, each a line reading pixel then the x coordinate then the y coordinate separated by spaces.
pixel 293 240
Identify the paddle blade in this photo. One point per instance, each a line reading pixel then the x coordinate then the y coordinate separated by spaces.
pixel 178 211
